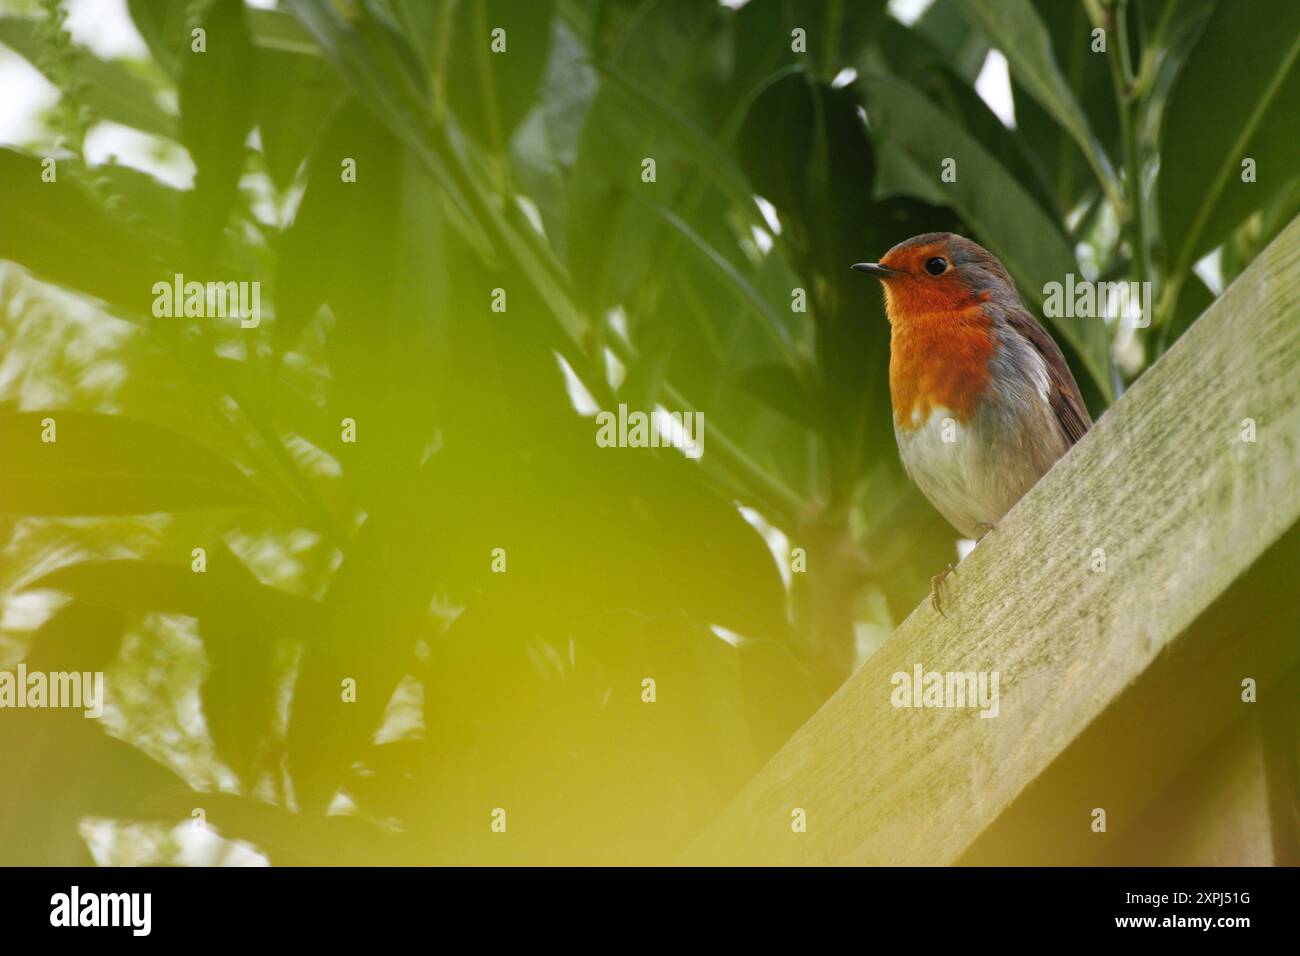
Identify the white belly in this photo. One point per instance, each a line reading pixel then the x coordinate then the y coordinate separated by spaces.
pixel 974 472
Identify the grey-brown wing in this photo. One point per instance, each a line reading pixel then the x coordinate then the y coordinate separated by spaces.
pixel 1063 391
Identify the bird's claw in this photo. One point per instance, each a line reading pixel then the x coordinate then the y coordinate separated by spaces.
pixel 987 526
pixel 938 584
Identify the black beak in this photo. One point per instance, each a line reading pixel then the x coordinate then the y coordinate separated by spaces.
pixel 874 269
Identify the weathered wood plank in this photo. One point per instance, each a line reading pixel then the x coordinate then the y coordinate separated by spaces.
pixel 1181 506
pixel 1156 754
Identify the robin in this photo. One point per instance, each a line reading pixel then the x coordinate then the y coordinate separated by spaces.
pixel 983 400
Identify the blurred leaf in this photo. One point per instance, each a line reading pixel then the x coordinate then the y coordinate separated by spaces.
pixel 1016 30
pixel 779 388
pixel 545 147
pixel 377 66
pixel 280 31
pixel 388 295
pixel 56 231
pixel 1005 218
pixel 771 323
pixel 83 635
pixel 295 93
pixel 964 48
pixel 107 464
pixel 109 88
pixel 805 147
pixel 217 91
pixel 834 33
pixel 1236 97
pixel 491 91
pixel 779 694
pixel 148 206
pixel 1257 232
pixel 61 768
pixel 226 590
pixel 926 67
pixel 165 28
pixel 374 612
pixel 695 144
pixel 1194 299
pixel 293 839
pixel 1089 78
pixel 240 620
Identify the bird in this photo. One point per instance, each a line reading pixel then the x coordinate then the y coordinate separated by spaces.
pixel 983 400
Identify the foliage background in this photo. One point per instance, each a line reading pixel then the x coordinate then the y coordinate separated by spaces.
pixel 522 171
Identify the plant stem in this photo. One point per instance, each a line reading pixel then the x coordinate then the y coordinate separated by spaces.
pixel 1126 104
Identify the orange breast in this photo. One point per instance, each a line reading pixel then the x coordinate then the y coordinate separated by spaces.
pixel 938 359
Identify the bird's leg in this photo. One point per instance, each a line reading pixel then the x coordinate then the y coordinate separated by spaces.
pixel 938 584
pixel 987 526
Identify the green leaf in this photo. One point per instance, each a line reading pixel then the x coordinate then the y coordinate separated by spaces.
pixel 770 321
pixel 295 93
pixel 833 30
pixel 217 94
pixel 694 143
pixel 779 388
pixel 1261 228
pixel 226 590
pixel 1089 77
pixel 377 67
pixel 943 25
pixel 925 66
pixel 1003 215
pixel 1237 97
pixel 59 233
pixel 80 636
pixel 491 91
pixel 164 26
pixel 109 464
pixel 376 63
pixel 1015 29
pixel 109 88
pixel 280 31
pixel 240 620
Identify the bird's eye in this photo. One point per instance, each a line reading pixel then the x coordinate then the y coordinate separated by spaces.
pixel 936 266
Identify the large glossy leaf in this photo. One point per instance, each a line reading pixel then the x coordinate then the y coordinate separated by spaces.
pixel 1003 215
pixel 1237 97
pixel 108 464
